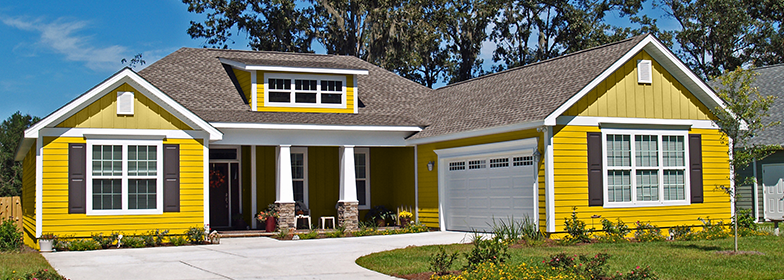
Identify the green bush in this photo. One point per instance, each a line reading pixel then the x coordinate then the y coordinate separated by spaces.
pixel 43 274
pixel 195 235
pixel 177 240
pixel 710 230
pixel 10 236
pixel 310 235
pixel 133 242
pixel 576 228
pixel 339 232
pixel 590 267
pixel 614 232
pixel 511 230
pixel 492 271
pixel 647 232
pixel 441 261
pixel 486 250
pixel 83 245
pixel 105 241
pixel 681 233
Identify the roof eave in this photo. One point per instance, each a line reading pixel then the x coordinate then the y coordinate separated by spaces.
pixel 277 68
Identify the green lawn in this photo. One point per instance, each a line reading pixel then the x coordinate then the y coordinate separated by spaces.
pixel 670 260
pixel 16 264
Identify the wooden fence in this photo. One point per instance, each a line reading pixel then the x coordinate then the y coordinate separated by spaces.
pixel 11 208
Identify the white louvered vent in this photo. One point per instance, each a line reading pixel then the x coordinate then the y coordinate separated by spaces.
pixel 125 103
pixel 644 75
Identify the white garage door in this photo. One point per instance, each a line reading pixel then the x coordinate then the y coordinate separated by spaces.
pixel 483 187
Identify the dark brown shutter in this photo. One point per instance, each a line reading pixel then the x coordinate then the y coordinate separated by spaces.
pixel 595 170
pixel 695 167
pixel 171 178
pixel 77 184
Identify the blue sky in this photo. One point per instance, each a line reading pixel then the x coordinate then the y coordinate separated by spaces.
pixel 53 51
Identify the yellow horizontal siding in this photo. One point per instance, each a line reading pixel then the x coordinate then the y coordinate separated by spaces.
pixel 56 219
pixel 428 180
pixel 571 184
pixel 621 96
pixel 245 83
pixel 103 114
pixel 260 97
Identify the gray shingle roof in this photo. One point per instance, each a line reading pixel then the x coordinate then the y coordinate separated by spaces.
pixel 196 79
pixel 770 81
pixel 518 95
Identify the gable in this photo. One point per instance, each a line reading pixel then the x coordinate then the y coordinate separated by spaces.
pixel 103 114
pixel 243 78
pixel 620 95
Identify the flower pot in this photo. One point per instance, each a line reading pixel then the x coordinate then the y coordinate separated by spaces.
pixel 46 244
pixel 404 221
pixel 270 226
pixel 381 222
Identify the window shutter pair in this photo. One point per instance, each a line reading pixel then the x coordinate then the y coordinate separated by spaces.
pixel 77 184
pixel 596 169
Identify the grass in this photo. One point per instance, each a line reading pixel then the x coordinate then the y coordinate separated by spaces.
pixel 670 260
pixel 17 263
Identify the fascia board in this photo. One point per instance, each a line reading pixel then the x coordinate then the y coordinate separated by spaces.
pixel 476 133
pixel 314 127
pixel 275 68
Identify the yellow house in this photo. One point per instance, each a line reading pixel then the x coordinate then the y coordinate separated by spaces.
pixel 208 138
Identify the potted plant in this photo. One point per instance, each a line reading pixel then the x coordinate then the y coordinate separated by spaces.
pixel 46 242
pixel 379 214
pixel 269 216
pixel 405 218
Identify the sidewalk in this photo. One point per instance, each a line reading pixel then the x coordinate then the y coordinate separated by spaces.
pixel 244 258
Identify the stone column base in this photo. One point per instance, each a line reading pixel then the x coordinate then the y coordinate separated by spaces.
pixel 287 219
pixel 348 213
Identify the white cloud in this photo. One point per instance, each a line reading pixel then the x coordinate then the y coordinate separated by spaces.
pixel 62 37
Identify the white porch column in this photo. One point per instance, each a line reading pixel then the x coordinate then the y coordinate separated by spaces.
pixel 253 206
pixel 284 190
pixel 348 179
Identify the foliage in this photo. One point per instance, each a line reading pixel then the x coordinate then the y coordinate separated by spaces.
pixel 638 273
pixel 512 230
pixel 745 219
pixel 105 241
pixel 11 131
pixel 338 232
pixel 272 211
pixel 178 240
pixel 310 235
pixel 195 235
pixel 82 244
pixel 681 232
pixel 282 233
pixel 43 274
pixel 711 230
pixel 379 212
pixel 405 214
pixel 136 60
pixel 590 267
pixel 134 242
pixel 10 236
pixel 441 262
pixel 646 232
pixel 486 250
pixel 576 228
pixel 493 271
pixel 614 232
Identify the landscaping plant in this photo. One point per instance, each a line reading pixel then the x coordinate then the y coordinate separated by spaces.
pixel 177 240
pixel 614 232
pixel 576 228
pixel 105 241
pixel 441 261
pixel 647 232
pixel 195 235
pixel 43 274
pixel 134 241
pixel 82 244
pixel 10 236
pixel 486 250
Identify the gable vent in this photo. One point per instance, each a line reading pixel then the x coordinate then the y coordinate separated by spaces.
pixel 644 72
pixel 125 103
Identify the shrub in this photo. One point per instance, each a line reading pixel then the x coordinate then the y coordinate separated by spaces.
pixel 492 271
pixel 339 232
pixel 614 232
pixel 511 230
pixel 177 240
pixel 637 273
pixel 10 236
pixel 486 250
pixel 133 242
pixel 43 274
pixel 745 219
pixel 83 245
pixel 414 228
pixel 681 233
pixel 310 235
pixel 576 228
pixel 105 241
pixel 282 233
pixel 441 261
pixel 590 267
pixel 195 235
pixel 647 232
pixel 710 230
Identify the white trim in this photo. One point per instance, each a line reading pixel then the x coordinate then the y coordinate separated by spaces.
pixel 491 148
pixel 755 192
pixel 206 182
pixel 644 66
pixel 253 203
pixel 315 127
pixel 476 133
pixel 254 94
pixel 304 152
pixel 121 96
pixel 124 76
pixel 442 169
pixel 664 57
pixel 366 152
pixel 310 138
pixel 39 185
pixel 272 68
pixel 318 92
pixel 416 184
pixel 284 190
pixel 119 133
pixel 633 167
pixel 356 95
pixel 125 178
pixel 549 177
pixel 636 122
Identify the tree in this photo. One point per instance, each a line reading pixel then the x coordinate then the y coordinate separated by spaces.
pixel 744 118
pixel 464 22
pixel 11 131
pixel 269 25
pixel 136 60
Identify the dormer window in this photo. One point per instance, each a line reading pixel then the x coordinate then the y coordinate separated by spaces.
pixel 297 90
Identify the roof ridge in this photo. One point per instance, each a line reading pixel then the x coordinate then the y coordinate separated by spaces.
pixel 269 52
pixel 545 61
pixel 768 66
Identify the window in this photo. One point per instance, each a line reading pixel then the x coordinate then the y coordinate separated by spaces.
pixel 291 90
pixel 362 171
pixel 299 173
pixel 645 167
pixel 124 178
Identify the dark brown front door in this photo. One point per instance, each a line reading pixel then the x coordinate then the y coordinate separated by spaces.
pixel 224 194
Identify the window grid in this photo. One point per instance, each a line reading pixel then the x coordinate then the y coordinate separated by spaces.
pixel 523 161
pixel 457 165
pixel 305 91
pixel 142 194
pixel 361 174
pixel 124 177
pixel 107 194
pixel 107 160
pixel 477 164
pixel 499 162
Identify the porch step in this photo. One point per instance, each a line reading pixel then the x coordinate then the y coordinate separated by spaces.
pixel 244 233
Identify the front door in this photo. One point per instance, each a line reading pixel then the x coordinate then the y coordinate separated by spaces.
pixel 224 194
pixel 773 186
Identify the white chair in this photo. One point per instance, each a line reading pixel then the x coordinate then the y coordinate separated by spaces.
pixel 324 221
pixel 300 206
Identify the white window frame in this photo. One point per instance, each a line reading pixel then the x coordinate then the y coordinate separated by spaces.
pixel 366 152
pixel 158 178
pixel 633 168
pixel 124 95
pixel 292 99
pixel 304 152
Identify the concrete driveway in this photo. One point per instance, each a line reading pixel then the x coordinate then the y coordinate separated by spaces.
pixel 244 258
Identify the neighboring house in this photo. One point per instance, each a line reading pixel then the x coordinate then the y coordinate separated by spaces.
pixel 209 137
pixel 769 172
